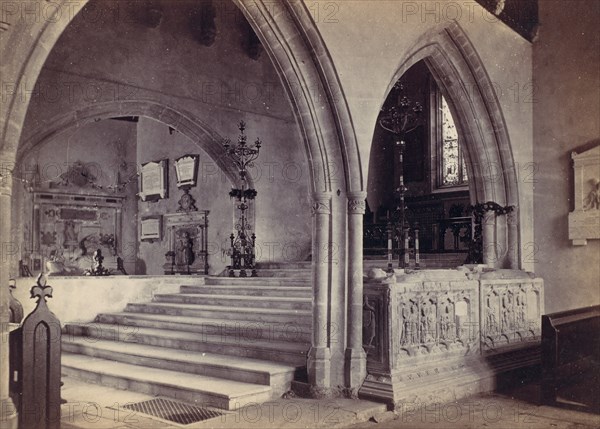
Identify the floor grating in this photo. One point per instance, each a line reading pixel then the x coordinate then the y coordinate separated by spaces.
pixel 174 411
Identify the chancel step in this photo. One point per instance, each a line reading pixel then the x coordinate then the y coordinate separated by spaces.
pixel 227 343
pixel 292 303
pixel 271 331
pixel 237 345
pixel 214 365
pixel 274 315
pixel 251 290
pixel 193 388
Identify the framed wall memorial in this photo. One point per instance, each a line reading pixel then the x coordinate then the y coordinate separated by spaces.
pixel 186 168
pixel 154 180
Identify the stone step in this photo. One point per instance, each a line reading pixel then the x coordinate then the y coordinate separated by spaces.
pixel 276 375
pixel 270 331
pixel 278 351
pixel 193 388
pixel 292 303
pixel 268 315
pixel 306 265
pixel 250 290
pixel 267 281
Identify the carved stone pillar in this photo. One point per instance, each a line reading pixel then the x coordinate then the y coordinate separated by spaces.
pixel 319 356
pixel 489 238
pixel 512 219
pixel 8 412
pixel 356 358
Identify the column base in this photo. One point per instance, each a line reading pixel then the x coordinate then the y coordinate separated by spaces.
pixel 319 367
pixel 9 417
pixel 355 368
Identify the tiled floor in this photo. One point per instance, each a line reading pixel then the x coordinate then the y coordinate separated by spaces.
pixel 97 407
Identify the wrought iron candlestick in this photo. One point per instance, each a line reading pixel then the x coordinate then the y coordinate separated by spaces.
pixel 400 119
pixel 243 241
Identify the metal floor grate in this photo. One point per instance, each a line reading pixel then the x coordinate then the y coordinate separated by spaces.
pixel 173 411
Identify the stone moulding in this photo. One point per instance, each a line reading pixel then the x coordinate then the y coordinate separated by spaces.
pixel 435 337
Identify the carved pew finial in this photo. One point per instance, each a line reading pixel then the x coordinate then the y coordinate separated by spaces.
pixel 41 291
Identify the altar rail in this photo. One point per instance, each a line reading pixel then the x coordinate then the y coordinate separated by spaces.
pixel 435 335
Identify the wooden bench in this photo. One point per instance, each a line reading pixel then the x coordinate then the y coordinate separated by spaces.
pixel 571 359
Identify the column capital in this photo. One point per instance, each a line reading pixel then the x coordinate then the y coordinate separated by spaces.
pixel 6 182
pixel 512 217
pixel 356 202
pixel 321 203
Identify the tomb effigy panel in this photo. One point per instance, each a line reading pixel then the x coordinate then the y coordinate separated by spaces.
pixel 511 311
pixel 429 335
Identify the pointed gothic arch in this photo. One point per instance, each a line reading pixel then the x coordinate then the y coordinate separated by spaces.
pixel 293 42
pixel 461 76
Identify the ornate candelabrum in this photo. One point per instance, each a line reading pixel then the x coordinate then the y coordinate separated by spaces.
pixel 400 119
pixel 243 240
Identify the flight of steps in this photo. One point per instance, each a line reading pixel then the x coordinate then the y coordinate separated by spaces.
pixel 228 343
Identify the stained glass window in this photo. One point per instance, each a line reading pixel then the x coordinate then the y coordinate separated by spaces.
pixel 453 169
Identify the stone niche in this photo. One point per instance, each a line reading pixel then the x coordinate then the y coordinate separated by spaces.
pixel 436 335
pixel 187 235
pixel 584 221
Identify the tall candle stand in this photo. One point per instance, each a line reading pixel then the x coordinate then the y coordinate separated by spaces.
pixel 243 240
pixel 400 119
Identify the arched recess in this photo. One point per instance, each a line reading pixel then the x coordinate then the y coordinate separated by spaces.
pixel 197 131
pixel 292 40
pixel 462 78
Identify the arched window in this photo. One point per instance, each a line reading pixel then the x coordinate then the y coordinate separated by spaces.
pixel 451 167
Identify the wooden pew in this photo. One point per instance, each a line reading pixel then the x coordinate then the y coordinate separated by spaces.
pixel 571 359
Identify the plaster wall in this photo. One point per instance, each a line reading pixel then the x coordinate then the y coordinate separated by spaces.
pixel 566 75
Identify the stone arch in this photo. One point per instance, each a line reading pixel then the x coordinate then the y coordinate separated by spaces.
pixel 197 131
pixel 462 78
pixel 292 40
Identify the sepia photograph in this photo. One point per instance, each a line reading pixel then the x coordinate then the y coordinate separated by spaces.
pixel 246 214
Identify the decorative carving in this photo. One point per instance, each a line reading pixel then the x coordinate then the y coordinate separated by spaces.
pixel 510 313
pixel 186 203
pixel 78 175
pixel 369 323
pixel 321 207
pixel 592 200
pixel 584 221
pixel 356 206
pixel 41 290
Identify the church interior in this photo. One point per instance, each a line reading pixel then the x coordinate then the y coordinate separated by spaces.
pixel 216 204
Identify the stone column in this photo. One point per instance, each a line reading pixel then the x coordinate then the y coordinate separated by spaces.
pixel 8 412
pixel 356 358
pixel 489 238
pixel 319 356
pixel 512 219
